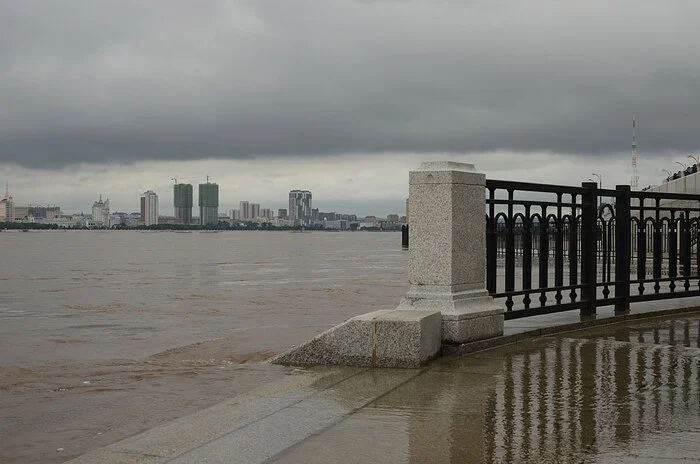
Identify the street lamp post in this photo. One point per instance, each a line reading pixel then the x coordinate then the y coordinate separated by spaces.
pixel 600 186
pixel 668 175
pixel 683 173
pixel 694 159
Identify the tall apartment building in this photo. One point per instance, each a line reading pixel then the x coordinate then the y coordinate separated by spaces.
pixel 149 208
pixel 100 211
pixel 244 210
pixel 281 213
pixel 7 207
pixel 183 202
pixel 300 207
pixel 254 210
pixel 7 210
pixel 208 204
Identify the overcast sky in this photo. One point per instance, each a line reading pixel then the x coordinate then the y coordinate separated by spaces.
pixel 339 97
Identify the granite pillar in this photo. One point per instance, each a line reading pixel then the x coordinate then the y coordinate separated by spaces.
pixel 447 262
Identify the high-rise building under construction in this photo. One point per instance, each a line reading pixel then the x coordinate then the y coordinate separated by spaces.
pixel 183 202
pixel 208 204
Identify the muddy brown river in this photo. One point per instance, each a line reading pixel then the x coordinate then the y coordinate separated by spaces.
pixel 106 334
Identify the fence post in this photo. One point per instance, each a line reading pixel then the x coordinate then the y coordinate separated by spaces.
pixel 589 239
pixel 447 255
pixel 623 250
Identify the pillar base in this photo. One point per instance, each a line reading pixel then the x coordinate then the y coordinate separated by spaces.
pixel 384 338
pixel 467 315
pixel 470 327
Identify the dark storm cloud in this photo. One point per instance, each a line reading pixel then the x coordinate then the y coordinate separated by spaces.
pixel 126 81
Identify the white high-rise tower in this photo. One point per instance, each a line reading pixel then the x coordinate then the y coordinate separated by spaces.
pixel 635 178
pixel 100 211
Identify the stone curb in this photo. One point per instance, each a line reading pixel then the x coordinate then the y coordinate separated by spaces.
pixel 481 345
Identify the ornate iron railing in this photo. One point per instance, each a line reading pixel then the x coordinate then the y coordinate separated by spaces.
pixel 552 248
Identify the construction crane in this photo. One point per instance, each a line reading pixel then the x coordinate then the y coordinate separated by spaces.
pixel 176 178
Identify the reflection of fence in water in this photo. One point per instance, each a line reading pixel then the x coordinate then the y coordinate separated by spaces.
pixel 581 395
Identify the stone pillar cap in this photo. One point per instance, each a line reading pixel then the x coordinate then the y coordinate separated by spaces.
pixel 446 166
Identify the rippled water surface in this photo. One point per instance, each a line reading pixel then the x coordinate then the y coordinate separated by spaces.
pixel 104 334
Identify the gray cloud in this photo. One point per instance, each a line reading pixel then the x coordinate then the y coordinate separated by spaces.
pixel 126 81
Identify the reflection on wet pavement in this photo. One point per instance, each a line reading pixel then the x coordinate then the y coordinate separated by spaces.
pixel 616 394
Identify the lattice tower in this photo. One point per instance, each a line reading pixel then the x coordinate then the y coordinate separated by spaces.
pixel 635 178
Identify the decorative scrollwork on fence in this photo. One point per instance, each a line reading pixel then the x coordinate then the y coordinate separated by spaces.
pixel 638 246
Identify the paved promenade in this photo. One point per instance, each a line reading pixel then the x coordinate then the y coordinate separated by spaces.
pixel 627 392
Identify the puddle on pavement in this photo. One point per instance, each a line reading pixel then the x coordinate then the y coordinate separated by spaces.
pixel 596 396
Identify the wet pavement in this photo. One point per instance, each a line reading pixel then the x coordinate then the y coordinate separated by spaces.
pixel 618 393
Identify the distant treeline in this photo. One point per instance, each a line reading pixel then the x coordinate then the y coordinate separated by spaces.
pixel 27 225
pixel 220 226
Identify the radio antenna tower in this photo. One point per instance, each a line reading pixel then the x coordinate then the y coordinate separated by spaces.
pixel 635 178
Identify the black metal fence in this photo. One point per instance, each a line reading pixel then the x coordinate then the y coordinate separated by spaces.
pixel 552 248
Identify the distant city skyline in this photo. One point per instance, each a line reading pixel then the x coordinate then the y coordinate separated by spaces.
pixel 300 212
pixel 249 93
pixel 122 201
pixel 373 186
